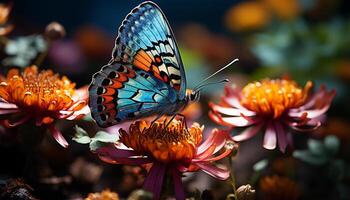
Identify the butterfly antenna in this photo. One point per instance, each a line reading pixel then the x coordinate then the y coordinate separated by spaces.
pixel 212 83
pixel 220 70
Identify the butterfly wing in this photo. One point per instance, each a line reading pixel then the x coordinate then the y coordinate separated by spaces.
pixel 146 42
pixel 119 93
pixel 146 74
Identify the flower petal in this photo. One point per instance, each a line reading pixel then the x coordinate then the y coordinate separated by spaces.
pixel 231 111
pixel 270 138
pixel 221 174
pixel 248 133
pixel 281 136
pixel 80 113
pixel 237 121
pixel 154 180
pixel 58 136
pixel 6 105
pixel 20 121
pixel 217 138
pixel 113 154
pixel 8 111
pixel 179 189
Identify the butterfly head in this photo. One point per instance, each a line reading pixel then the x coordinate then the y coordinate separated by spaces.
pixel 192 95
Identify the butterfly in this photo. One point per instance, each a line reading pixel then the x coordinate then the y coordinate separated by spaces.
pixel 145 76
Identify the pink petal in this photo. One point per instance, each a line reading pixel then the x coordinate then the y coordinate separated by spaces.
pixel 219 157
pixel 216 117
pixel 116 153
pixel 281 136
pixel 221 174
pixel 6 105
pixel 179 189
pixel 311 126
pixel 20 121
pixel 154 180
pixel 8 111
pixel 125 161
pixel 310 113
pixel 237 121
pixel 248 133
pixel 270 138
pixel 80 113
pixel 217 138
pixel 58 136
pixel 81 94
pixel 231 111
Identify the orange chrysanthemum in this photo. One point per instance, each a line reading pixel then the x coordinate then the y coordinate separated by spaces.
pixel 43 96
pixel 104 195
pixel 247 16
pixel 274 97
pixel 5 10
pixel 171 149
pixel 285 10
pixel 272 105
pixel 171 144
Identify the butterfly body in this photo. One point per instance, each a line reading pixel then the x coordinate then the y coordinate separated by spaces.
pixel 145 75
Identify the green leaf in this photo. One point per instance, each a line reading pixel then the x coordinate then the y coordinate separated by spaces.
pixel 95 144
pixel 332 144
pixel 81 136
pixel 105 137
pixel 309 157
pixel 102 139
pixel 316 147
pixel 262 164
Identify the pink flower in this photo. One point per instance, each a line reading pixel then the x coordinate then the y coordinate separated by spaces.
pixel 272 106
pixel 172 150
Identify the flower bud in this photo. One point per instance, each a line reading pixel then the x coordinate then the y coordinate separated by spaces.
pixel 54 31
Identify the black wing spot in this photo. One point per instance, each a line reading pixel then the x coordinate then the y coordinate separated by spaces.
pixel 121 69
pixel 99 90
pixel 105 82
pixel 112 74
pixel 99 100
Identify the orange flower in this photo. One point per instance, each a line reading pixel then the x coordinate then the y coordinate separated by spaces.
pixel 272 105
pixel 171 149
pixel 279 188
pixel 104 195
pixel 173 145
pixel 286 9
pixel 247 16
pixel 5 10
pixel 42 96
pixel 274 97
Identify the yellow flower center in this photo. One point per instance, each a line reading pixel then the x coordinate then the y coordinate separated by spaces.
pixel 37 91
pixel 273 97
pixel 165 144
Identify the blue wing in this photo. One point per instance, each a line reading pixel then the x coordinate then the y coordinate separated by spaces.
pixel 119 93
pixel 146 42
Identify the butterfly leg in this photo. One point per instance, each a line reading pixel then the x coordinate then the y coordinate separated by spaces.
pixel 158 117
pixel 168 123
pixel 183 119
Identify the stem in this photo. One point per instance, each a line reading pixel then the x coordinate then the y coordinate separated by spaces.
pixel 233 178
